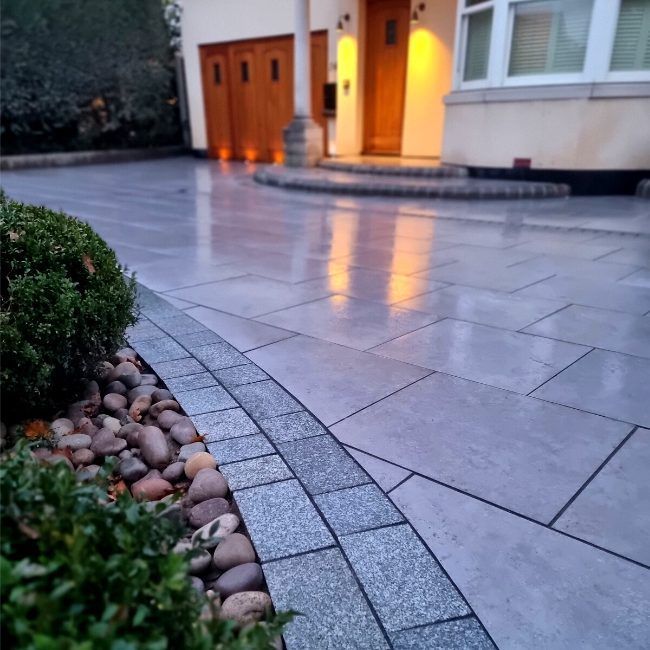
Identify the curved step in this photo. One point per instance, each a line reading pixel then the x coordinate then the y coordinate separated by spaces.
pixel 419 171
pixel 334 182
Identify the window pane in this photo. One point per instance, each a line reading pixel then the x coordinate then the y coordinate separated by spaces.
pixel 479 27
pixel 549 36
pixel 632 43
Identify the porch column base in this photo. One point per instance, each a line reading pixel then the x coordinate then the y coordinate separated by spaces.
pixel 303 143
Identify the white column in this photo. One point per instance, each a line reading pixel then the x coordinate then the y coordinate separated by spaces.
pixel 302 61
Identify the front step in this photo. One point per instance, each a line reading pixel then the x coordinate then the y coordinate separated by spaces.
pixel 339 182
pixel 387 169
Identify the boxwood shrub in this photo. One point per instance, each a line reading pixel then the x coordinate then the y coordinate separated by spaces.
pixel 78 574
pixel 64 305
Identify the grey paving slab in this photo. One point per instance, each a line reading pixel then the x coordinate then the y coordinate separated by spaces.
pixel 190 382
pixel 243 448
pixel 293 426
pixel 281 520
pixel 612 511
pixel 197 338
pixel 333 381
pixel 640 278
pixel 483 306
pixel 205 400
pixel 507 448
pixel 608 383
pixel 144 330
pixel 576 268
pixel 517 362
pixel 580 597
pixel 580 250
pixel 177 368
pixel 358 324
pixel 177 302
pixel 335 612
pixel 223 425
pixel 218 355
pixel 385 474
pixel 592 293
pixel 244 334
pixel 255 471
pixel 265 399
pixel 249 295
pixel 402 580
pixel 174 273
pixel 355 509
pixel 463 634
pixel 240 375
pixel 601 328
pixel 629 256
pixel 157 350
pixel 322 464
pixel 179 324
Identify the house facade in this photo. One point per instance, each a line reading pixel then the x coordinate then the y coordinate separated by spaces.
pixel 540 85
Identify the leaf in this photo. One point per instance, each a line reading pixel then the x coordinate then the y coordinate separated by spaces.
pixel 88 263
pixel 36 429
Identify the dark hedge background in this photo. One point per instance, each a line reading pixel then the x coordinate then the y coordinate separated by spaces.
pixel 86 74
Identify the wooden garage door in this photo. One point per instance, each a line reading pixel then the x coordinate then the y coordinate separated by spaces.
pixel 248 93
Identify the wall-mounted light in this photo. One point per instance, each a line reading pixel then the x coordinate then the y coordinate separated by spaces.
pixel 343 18
pixel 415 16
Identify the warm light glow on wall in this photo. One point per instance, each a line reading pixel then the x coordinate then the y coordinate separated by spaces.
pixel 225 153
pixel 250 155
pixel 278 157
pixel 422 56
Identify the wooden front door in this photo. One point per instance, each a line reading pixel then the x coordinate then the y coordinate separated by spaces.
pixel 248 92
pixel 387 34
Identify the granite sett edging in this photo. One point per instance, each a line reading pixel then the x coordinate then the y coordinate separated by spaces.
pixel 331 544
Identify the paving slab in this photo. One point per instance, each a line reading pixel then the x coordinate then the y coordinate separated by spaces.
pixel 255 471
pixel 197 338
pixel 233 449
pixel 335 612
pixel 402 580
pixel 222 425
pixel 162 349
pixel 531 586
pixel 281 520
pixel 507 448
pixel 179 324
pixel 205 400
pixel 333 381
pixel 265 399
pixel 190 382
pixel 613 510
pixel 218 355
pixel 608 383
pixel 177 368
pixel 510 360
pixel 462 634
pixel 385 474
pixel 144 330
pixel 240 375
pixel 293 426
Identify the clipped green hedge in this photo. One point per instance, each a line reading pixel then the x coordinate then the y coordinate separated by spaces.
pixel 76 574
pixel 86 74
pixel 64 305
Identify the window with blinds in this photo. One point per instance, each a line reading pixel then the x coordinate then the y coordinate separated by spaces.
pixel 477 48
pixel 632 41
pixel 549 37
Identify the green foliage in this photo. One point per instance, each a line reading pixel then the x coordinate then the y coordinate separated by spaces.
pixel 86 74
pixel 77 574
pixel 64 305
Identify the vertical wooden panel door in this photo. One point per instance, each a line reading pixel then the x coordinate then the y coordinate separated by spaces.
pixel 387 34
pixel 215 72
pixel 276 100
pixel 245 77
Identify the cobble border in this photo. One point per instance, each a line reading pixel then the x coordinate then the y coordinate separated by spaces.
pixel 331 543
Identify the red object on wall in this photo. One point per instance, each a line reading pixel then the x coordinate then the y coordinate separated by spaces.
pixel 521 163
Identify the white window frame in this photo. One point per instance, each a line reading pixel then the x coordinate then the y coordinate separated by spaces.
pixel 600 44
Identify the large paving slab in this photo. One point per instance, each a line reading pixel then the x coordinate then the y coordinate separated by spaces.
pixel 522 453
pixel 331 380
pixel 531 586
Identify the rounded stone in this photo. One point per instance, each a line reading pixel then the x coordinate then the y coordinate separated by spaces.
pixel 207 484
pixel 161 394
pixel 198 584
pixel 196 462
pixel 123 368
pixel 151 489
pixel 112 424
pixel 246 607
pixel 153 447
pixel 124 454
pixel 74 441
pixel 123 416
pixel 167 419
pixel 139 407
pixel 174 472
pixel 139 390
pixel 206 511
pixel 125 354
pixel 116 387
pixel 245 577
pixel 214 531
pixel 131 380
pixel 200 563
pixel 187 451
pixel 88 473
pixel 232 551
pixel 182 431
pixel 85 425
pixel 132 469
pixel 61 427
pixel 106 444
pixel 148 380
pixel 82 457
pixel 126 429
pixel 103 370
pixel 113 401
pixel 164 405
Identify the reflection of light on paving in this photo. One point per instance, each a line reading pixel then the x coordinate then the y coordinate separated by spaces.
pixel 344 231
